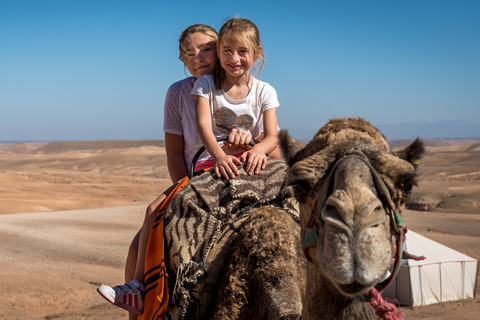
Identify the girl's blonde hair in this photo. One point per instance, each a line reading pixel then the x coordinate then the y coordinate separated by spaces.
pixel 202 28
pixel 245 32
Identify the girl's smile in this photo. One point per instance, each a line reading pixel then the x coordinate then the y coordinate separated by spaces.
pixel 235 66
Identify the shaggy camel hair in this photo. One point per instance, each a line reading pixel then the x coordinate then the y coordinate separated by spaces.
pixel 356 239
pixel 264 274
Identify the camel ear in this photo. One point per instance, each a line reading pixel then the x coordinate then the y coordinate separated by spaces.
pixel 304 175
pixel 412 153
pixel 289 146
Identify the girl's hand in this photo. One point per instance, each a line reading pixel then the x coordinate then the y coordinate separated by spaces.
pixel 226 166
pixel 255 158
pixel 239 137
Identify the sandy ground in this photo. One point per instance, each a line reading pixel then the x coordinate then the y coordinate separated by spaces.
pixel 51 263
pixel 69 211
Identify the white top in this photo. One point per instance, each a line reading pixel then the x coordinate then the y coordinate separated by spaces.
pixel 228 113
pixel 179 117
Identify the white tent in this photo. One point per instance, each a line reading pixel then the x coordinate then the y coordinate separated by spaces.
pixel 445 274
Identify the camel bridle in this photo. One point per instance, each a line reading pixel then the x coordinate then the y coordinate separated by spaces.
pixel 399 225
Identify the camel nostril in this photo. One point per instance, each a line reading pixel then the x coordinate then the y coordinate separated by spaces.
pixel 330 208
pixel 334 216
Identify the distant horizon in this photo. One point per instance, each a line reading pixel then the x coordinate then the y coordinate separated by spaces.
pixel 455 125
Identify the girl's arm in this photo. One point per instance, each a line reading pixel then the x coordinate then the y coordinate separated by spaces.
pixel 175 157
pixel 256 157
pixel 275 154
pixel 225 165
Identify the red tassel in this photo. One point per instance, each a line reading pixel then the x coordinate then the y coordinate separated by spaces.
pixel 383 309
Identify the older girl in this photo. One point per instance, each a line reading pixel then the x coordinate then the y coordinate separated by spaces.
pixel 197 46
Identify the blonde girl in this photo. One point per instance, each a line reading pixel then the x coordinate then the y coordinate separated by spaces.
pixel 232 101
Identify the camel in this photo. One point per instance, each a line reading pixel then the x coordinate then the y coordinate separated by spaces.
pixel 263 267
pixel 348 226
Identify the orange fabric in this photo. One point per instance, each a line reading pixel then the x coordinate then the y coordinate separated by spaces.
pixel 156 283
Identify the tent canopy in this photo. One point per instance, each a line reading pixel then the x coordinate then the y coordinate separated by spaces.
pixel 445 274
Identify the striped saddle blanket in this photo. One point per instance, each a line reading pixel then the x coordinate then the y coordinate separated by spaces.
pixel 203 209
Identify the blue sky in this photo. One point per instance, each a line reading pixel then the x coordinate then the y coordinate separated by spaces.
pixel 96 70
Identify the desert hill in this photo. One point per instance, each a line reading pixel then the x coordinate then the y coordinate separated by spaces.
pixel 64 146
pixel 73 208
pixel 450 180
pixel 76 175
pixel 128 172
pixel 436 142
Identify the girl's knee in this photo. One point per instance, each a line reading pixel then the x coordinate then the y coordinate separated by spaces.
pixel 153 207
pixel 151 213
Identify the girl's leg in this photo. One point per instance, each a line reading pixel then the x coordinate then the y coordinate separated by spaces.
pixel 130 265
pixel 150 216
pixel 132 258
pixel 129 296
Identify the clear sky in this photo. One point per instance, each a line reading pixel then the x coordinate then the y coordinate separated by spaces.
pixel 98 69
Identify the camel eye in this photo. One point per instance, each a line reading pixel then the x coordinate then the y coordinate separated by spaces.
pixel 407 190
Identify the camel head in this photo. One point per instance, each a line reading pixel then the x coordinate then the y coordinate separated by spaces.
pixel 335 179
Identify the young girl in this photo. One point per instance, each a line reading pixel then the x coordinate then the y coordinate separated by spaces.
pixel 197 46
pixel 233 102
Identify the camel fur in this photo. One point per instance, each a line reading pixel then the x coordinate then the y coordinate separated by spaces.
pixel 263 275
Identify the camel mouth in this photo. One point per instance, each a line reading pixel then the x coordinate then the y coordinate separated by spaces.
pixel 354 288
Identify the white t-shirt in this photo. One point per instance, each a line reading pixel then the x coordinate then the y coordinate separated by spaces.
pixel 179 117
pixel 229 113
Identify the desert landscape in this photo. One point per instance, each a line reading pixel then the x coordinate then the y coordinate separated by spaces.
pixel 68 211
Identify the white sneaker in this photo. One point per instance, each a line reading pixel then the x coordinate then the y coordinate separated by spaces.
pixel 128 296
